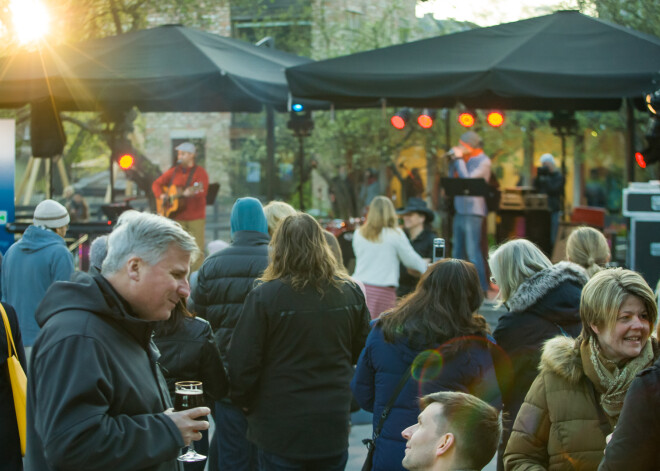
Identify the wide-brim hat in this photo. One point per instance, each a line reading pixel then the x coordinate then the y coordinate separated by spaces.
pixel 417 205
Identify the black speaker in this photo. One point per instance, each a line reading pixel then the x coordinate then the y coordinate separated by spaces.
pixel 644 249
pixel 46 132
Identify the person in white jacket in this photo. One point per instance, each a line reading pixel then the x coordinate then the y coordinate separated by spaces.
pixel 379 245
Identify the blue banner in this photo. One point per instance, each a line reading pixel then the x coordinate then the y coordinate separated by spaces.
pixel 7 171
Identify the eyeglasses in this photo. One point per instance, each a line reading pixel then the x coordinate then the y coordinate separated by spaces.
pixel 493 280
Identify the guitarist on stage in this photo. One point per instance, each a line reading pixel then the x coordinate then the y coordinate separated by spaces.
pixel 181 195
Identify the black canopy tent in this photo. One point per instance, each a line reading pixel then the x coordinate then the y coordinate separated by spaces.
pixel 163 69
pixel 167 68
pixel 561 61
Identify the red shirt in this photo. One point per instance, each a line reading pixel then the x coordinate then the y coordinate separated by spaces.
pixel 195 205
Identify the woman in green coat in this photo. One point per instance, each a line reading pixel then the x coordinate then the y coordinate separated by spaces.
pixel 575 401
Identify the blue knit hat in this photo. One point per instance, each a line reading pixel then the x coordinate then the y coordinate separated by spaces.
pixel 248 215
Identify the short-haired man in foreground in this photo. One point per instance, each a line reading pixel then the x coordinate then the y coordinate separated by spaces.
pixel 96 397
pixel 455 431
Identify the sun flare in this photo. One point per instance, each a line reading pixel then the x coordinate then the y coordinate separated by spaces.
pixel 31 20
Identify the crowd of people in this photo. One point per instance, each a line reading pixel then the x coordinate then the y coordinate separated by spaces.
pixel 285 341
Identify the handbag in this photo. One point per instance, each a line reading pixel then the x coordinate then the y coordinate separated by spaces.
pixel 18 381
pixel 371 442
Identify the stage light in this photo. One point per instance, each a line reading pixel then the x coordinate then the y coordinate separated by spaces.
pixel 401 118
pixel 467 119
pixel 426 118
pixel 495 118
pixel 126 161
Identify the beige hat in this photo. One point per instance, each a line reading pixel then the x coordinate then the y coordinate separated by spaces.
pixel 50 214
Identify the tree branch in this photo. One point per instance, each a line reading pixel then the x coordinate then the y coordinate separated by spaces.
pixel 82 124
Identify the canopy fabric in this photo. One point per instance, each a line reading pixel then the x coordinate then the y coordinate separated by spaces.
pixel 564 60
pixel 167 68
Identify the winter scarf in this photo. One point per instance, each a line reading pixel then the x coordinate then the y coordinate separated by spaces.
pixel 611 380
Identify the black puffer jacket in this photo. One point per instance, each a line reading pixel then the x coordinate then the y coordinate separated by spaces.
pixel 224 281
pixel 633 445
pixel 96 397
pixel 546 305
pixel 189 353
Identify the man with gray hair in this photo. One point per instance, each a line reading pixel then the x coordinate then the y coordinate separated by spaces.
pixel 96 397
pixel 97 252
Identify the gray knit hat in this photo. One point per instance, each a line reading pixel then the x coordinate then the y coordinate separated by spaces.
pixel 472 139
pixel 50 214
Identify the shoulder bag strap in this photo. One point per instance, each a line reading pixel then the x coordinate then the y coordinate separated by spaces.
pixel 10 337
pixel 604 422
pixel 190 176
pixel 390 403
pixel 175 167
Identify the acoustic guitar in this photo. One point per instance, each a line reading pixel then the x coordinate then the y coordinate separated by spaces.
pixel 174 202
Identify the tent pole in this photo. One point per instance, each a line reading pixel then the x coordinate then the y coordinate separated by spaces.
pixel 270 153
pixel 630 141
pixel 301 163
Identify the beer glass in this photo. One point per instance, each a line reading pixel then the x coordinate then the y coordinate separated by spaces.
pixel 188 395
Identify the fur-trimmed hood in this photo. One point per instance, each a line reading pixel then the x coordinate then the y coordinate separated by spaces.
pixel 541 283
pixel 561 356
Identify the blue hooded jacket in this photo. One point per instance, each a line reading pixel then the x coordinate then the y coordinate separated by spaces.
pixel 380 367
pixel 30 266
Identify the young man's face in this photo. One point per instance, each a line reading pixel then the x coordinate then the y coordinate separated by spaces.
pixel 422 440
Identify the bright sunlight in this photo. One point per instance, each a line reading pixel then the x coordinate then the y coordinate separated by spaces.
pixel 30 19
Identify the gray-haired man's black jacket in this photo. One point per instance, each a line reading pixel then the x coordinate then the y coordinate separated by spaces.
pixel 96 395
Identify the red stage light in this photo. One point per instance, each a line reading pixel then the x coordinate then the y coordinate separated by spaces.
pixel 398 122
pixel 425 121
pixel 495 119
pixel 126 161
pixel 466 119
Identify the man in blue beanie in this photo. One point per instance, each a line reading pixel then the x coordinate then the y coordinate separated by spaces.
pixel 223 283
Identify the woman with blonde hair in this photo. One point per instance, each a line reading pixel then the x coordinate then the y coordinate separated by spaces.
pixel 275 212
pixel 379 246
pixel 576 400
pixel 543 300
pixel 588 248
pixel 292 353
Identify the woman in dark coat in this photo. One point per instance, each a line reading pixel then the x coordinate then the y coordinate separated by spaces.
pixel 437 331
pixel 543 301
pixel 292 353
pixel 10 445
pixel 189 353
